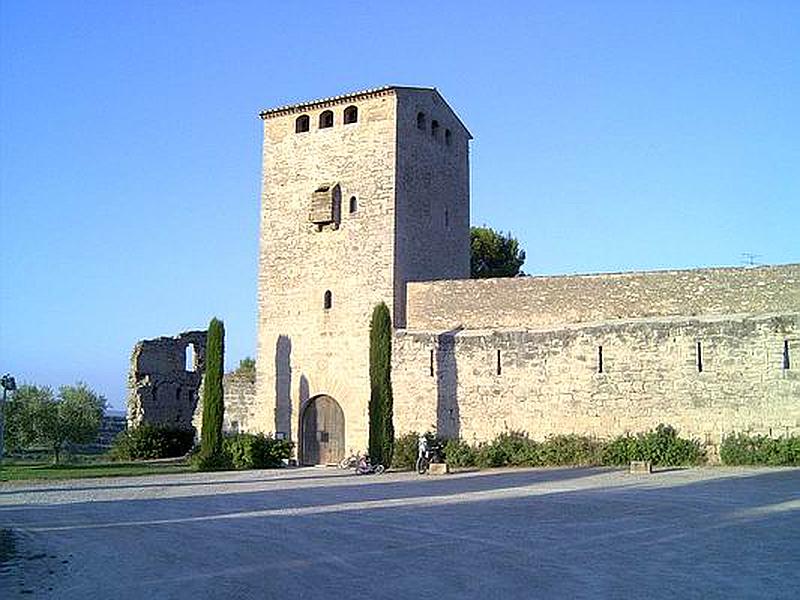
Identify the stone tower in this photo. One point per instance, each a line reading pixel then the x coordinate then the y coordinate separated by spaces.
pixel 361 194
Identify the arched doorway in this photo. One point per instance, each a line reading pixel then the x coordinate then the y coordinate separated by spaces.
pixel 323 431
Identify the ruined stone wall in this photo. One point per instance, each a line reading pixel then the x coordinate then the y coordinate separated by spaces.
pixel 549 380
pixel 161 390
pixel 532 302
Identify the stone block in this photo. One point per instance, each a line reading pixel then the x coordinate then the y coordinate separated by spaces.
pixel 439 469
pixel 641 467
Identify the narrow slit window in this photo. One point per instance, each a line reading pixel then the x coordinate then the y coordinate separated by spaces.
pixel 350 115
pixel 599 359
pixel 353 204
pixel 326 119
pixel 430 365
pixel 301 124
pixel 435 128
pixel 448 137
pixel 446 218
pixel 699 357
pixel 499 364
pixel 421 120
pixel 327 302
pixel 786 364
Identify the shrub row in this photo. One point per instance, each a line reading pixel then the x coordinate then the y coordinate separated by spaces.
pixel 152 441
pixel 662 447
pixel 743 449
pixel 243 451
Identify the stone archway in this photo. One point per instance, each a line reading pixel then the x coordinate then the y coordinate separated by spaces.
pixel 323 431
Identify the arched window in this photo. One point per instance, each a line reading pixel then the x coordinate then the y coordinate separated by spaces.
pixel 350 115
pixel 326 119
pixel 301 124
pixel 190 360
pixel 448 137
pixel 353 204
pixel 435 128
pixel 328 300
pixel 421 120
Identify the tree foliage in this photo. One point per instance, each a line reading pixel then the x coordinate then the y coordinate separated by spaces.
pixel 213 403
pixel 381 417
pixel 247 366
pixel 37 417
pixel 494 254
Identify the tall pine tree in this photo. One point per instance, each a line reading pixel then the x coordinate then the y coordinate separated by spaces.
pixel 381 409
pixel 213 407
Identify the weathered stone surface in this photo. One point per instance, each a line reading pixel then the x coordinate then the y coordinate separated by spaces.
pixel 161 389
pixel 438 469
pixel 640 467
pixel 411 222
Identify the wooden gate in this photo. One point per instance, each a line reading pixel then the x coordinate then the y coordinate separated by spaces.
pixel 323 431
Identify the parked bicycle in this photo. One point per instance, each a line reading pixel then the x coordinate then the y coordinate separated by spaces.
pixel 350 462
pixel 365 467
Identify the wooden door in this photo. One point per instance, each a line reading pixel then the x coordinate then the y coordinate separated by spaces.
pixel 323 431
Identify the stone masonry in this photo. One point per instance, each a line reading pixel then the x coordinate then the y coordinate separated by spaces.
pixel 365 198
pixel 165 378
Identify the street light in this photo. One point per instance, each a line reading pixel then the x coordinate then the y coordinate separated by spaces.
pixel 9 385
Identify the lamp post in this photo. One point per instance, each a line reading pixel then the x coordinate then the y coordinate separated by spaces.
pixel 9 385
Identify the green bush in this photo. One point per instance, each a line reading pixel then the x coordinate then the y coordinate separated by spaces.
pixel 152 441
pixel 255 451
pixel 572 450
pixel 459 453
pixel 743 449
pixel 405 451
pixel 661 446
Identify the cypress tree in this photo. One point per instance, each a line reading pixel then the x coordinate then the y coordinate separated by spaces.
pixel 381 423
pixel 213 407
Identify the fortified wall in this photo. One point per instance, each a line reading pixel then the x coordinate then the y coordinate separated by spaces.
pixel 710 351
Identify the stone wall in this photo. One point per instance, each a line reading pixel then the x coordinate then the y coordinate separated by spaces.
pixel 549 381
pixel 162 388
pixel 241 410
pixel 532 302
pixel 379 163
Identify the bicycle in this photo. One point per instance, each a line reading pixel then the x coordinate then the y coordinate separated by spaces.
pixel 432 454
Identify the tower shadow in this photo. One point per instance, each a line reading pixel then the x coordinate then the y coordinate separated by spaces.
pixel 448 421
pixel 283 386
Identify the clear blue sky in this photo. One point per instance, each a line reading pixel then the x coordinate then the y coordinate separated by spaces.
pixel 608 136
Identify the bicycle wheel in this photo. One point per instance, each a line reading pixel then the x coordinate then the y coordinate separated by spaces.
pixel 379 469
pixel 422 465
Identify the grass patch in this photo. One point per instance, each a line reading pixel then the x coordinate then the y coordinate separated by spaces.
pixel 26 470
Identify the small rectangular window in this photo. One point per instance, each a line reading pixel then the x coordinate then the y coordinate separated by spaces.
pixel 786 363
pixel 699 358
pixel 599 359
pixel 430 366
pixel 499 364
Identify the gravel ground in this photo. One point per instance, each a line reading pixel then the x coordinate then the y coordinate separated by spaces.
pixel 321 533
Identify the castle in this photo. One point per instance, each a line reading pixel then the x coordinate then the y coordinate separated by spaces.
pixel 365 199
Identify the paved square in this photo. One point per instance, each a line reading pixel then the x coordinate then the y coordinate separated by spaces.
pixel 320 533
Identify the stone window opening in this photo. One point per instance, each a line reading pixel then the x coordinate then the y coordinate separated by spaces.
pixel 446 218
pixel 448 137
pixel 699 357
pixel 302 124
pixel 499 364
pixel 430 364
pixel 353 204
pixel 435 128
pixel 326 119
pixel 350 115
pixel 327 301
pixel 190 365
pixel 599 359
pixel 786 363
pixel 421 120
